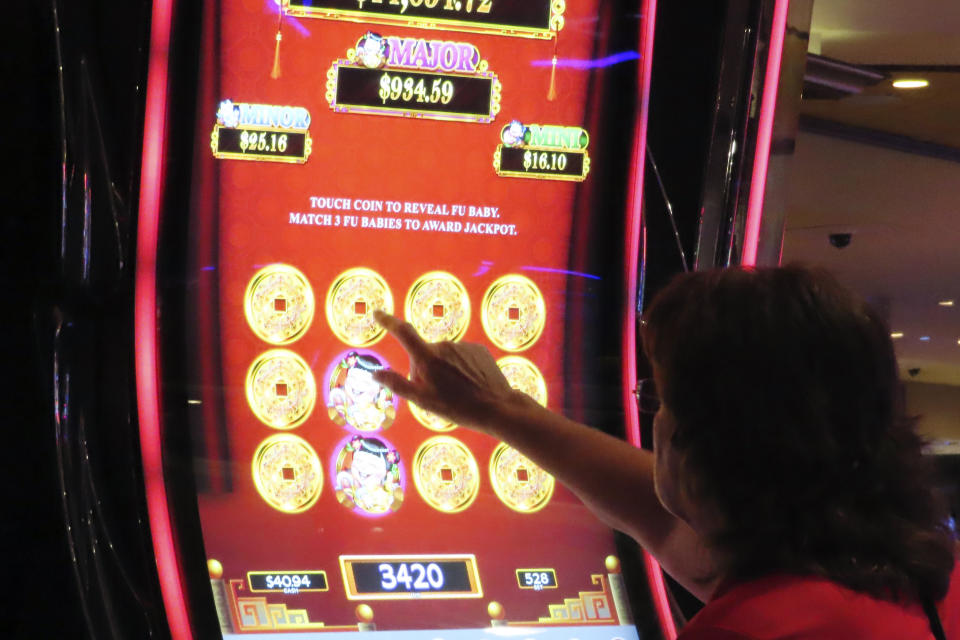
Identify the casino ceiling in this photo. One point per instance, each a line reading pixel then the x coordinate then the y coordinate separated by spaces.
pixel 883 164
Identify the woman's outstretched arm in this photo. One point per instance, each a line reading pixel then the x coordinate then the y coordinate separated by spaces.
pixel 614 479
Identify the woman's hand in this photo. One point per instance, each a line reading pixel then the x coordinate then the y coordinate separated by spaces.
pixel 462 383
pixel 459 381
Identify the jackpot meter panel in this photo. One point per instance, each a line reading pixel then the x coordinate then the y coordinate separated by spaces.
pixel 450 162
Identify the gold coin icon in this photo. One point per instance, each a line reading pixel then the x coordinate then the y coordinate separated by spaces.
pixel 287 473
pixel 353 297
pixel 278 304
pixel 430 420
pixel 438 307
pixel 280 389
pixel 513 313
pixel 518 482
pixel 524 376
pixel 445 474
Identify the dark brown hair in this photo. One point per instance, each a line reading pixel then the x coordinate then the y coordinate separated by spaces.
pixel 786 396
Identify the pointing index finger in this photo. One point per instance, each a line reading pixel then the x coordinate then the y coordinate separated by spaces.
pixel 404 332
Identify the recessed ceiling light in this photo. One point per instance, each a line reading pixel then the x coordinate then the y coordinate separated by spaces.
pixel 911 83
pixel 924 338
pixel 945 303
pixel 896 334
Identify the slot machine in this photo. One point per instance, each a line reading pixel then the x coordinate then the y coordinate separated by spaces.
pixel 475 167
pixel 472 166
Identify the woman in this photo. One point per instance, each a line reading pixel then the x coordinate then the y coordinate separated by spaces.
pixel 785 489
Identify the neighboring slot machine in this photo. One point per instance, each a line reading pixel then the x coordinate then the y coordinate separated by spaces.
pixel 472 166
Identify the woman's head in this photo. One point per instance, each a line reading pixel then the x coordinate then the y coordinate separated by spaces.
pixel 787 430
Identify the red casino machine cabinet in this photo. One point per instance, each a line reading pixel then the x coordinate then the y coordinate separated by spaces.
pixel 473 166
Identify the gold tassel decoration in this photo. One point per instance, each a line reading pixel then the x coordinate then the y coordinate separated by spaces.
pixel 552 92
pixel 275 72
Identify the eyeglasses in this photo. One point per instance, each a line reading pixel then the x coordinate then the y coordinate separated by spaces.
pixel 648 400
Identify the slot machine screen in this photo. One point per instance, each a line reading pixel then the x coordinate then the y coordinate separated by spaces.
pixel 449 162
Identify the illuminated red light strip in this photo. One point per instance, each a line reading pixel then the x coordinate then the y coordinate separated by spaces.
pixel 145 319
pixel 758 182
pixel 634 215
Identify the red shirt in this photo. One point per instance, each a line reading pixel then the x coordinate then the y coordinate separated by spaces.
pixel 810 608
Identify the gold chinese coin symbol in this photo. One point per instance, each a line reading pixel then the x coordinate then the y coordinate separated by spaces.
pixel 524 376
pixel 438 307
pixel 279 304
pixel 351 301
pixel 446 474
pixel 429 419
pixel 280 389
pixel 518 482
pixel 513 313
pixel 287 473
